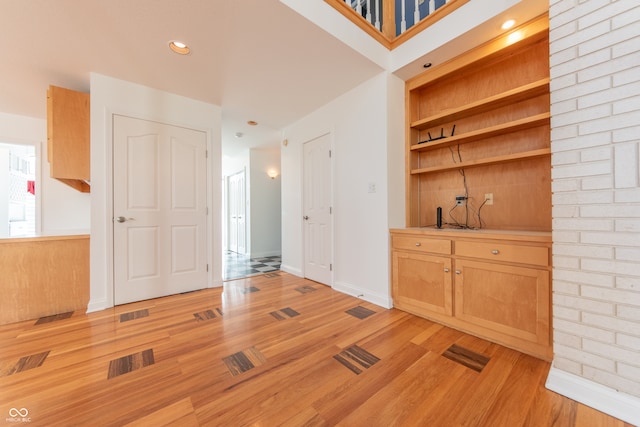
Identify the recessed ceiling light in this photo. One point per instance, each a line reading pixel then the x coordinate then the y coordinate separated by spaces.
pixel 239 134
pixel 508 24
pixel 179 47
pixel 252 123
pixel 426 65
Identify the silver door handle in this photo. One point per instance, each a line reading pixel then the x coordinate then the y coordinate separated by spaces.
pixel 306 217
pixel 123 219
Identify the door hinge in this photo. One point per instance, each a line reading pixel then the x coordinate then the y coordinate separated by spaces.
pixel 329 153
pixel 207 267
pixel 330 267
pixel 206 210
pixel 206 154
pixel 330 210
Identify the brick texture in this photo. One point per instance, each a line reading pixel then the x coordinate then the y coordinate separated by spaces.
pixel 595 109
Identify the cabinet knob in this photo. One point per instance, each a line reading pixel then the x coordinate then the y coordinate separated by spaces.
pixel 458 272
pixel 418 244
pixel 446 270
pixel 495 252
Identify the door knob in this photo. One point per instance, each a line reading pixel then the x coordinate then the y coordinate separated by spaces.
pixel 123 219
pixel 306 217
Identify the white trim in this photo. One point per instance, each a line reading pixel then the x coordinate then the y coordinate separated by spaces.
pixel 97 305
pixel 594 395
pixel 291 270
pixel 382 300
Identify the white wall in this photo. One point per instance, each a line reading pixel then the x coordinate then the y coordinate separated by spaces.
pixel 595 107
pixel 62 210
pixel 111 96
pixel 264 203
pixel 361 139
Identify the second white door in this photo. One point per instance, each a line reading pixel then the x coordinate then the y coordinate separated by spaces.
pixel 159 209
pixel 317 210
pixel 237 207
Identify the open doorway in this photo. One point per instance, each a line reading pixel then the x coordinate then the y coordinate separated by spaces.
pixel 252 213
pixel 17 190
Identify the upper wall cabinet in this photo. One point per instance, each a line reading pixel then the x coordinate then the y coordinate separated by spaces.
pixel 68 137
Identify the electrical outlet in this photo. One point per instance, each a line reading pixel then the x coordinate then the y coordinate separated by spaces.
pixel 460 200
pixel 488 198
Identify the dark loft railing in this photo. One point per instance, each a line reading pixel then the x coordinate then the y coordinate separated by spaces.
pixel 393 21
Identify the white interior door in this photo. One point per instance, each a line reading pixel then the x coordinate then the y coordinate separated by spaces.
pixel 159 209
pixel 317 210
pixel 237 213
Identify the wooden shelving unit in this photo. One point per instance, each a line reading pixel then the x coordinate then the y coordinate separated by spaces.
pixel 514 126
pixel 543 152
pixel 509 97
pixel 496 97
pixel 488 271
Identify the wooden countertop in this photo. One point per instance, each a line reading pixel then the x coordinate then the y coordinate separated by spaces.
pixel 529 236
pixel 44 237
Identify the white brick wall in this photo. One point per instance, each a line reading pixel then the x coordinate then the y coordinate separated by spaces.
pixel 595 141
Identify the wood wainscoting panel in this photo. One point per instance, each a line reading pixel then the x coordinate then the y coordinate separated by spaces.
pixel 43 276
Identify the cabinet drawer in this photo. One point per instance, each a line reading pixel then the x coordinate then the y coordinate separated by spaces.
pixel 500 251
pixel 422 244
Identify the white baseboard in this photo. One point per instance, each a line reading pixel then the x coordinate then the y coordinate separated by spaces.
pixel 381 300
pixel 597 396
pixel 291 270
pixel 97 305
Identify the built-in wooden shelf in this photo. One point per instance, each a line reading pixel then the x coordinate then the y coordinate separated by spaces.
pixel 489 273
pixel 497 97
pixel 509 97
pixel 501 129
pixel 486 162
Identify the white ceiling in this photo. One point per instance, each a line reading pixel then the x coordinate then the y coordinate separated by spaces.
pixel 257 59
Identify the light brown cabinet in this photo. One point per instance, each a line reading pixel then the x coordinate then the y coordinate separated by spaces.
pixel 512 301
pixel 479 286
pixel 422 283
pixel 68 137
pixel 478 129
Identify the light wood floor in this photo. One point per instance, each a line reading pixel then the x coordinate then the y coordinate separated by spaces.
pixel 270 350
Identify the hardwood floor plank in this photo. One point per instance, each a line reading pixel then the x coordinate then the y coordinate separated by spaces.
pixel 307 418
pixel 512 405
pixel 295 379
pixel 179 413
pixel 468 401
pixel 466 357
pixel 55 317
pixel 399 403
pixel 552 409
pixel 349 396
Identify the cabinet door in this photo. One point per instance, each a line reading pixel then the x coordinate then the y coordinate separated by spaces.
pixel 68 136
pixel 507 299
pixel 422 283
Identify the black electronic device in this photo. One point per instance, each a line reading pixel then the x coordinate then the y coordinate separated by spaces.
pixel 439 217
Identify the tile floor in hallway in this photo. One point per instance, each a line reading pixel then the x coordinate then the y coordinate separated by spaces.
pixel 237 266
